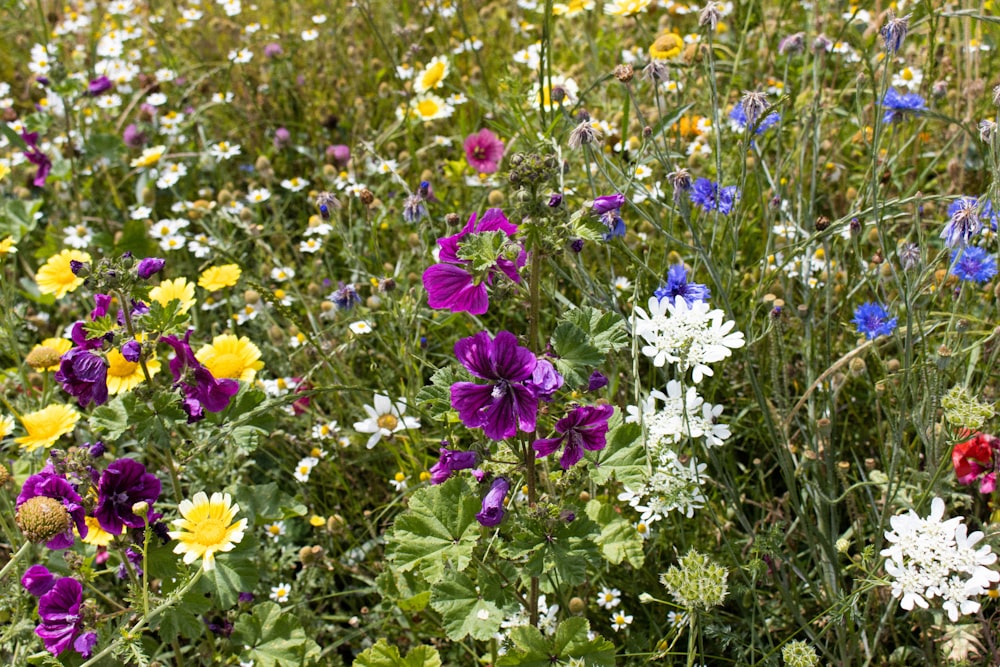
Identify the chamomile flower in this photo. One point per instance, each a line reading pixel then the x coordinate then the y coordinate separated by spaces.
pixel 224 150
pixel 240 56
pixel 385 418
pixel 294 184
pixel 360 328
pixel 311 245
pixel 258 195
pixel 304 468
pixel 275 530
pixel 609 598
pixel 432 76
pixel 280 274
pixel 324 430
pixel 620 620
pixel 281 592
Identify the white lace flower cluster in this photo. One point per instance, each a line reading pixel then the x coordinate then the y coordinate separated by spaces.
pixel 930 558
pixel 674 486
pixel 690 336
pixel 684 414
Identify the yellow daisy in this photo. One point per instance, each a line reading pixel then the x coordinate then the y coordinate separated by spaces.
pixel 125 375
pixel 149 157
pixel 207 527
pixel 4 170
pixel 7 246
pixel 668 45
pixel 56 276
pixel 47 425
pixel 432 76
pixel 96 535
pixel 171 290
pixel 231 357
pixel 217 277
pixel 626 7
pixel 58 345
pixel 316 521
pixel 6 426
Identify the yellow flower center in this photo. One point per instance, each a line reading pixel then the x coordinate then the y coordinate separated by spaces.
pixel 388 422
pixel 210 531
pixel 427 108
pixel 227 366
pixel 434 75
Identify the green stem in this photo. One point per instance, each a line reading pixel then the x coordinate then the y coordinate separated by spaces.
pixel 13 559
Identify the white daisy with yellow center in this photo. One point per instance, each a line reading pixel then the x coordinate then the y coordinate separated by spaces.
pixel 432 76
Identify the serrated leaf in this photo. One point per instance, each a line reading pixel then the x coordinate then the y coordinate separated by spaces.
pixel 623 457
pixel 235 572
pixel 439 528
pixel 435 398
pixel 262 503
pixel 482 250
pixel 569 642
pixel 111 420
pixel 618 539
pixel 605 331
pixel 384 655
pixel 576 355
pixel 275 638
pixel 563 548
pixel 467 608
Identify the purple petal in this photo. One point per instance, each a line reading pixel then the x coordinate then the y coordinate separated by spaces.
pixel 452 287
pixel 470 399
pixel 476 354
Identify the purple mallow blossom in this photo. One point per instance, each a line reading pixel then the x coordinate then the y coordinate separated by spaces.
pixel 452 461
pixel 47 482
pixel 585 427
pixel 450 284
pixel 84 375
pixel 608 209
pixel 101 84
pixel 483 151
pixel 508 401
pixel 37 580
pixel 150 266
pixel 206 392
pixel 492 513
pixel 37 157
pixel 131 351
pixel 62 624
pixel 124 483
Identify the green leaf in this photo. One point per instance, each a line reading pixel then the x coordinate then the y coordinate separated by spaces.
pixel 16 139
pixel 606 331
pixel 435 398
pixel 235 572
pixel 576 355
pixel 618 539
pixel 557 547
pixel 482 249
pixel 623 457
pixel 569 643
pixel 275 638
pixel 468 609
pixel 263 503
pixel 103 146
pixel 410 592
pixel 17 216
pixel 111 420
pixel 439 528
pixel 384 655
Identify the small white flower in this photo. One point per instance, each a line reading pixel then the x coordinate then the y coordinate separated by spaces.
pixel 609 598
pixel 281 592
pixel 361 327
pixel 620 620
pixel 275 530
pixel 385 418
pixel 240 56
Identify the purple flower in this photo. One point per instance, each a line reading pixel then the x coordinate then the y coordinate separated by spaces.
pixel 506 402
pixel 102 302
pixel 451 286
pixel 608 208
pixel 493 512
pixel 207 393
pixel 483 151
pixel 123 484
pixel 282 137
pixel 545 380
pixel 134 137
pixel 894 32
pixel 965 220
pixel 131 351
pixel 37 157
pixel 710 197
pixel 872 320
pixel 84 375
pixel 339 153
pixel 677 285
pixel 149 266
pixel 51 484
pixel 37 580
pixel 973 264
pixel 452 461
pixel 345 296
pixel 59 610
pixel 99 85
pixel 585 427
pixel 598 380
pixel 738 117
pixel 272 50
pixel 897 106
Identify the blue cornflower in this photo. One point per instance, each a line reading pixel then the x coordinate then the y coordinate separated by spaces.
pixel 973 264
pixel 738 118
pixel 711 197
pixel 872 320
pixel 345 296
pixel 964 221
pixel 898 106
pixel 677 285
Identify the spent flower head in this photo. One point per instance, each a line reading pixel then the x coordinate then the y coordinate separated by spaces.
pixel 697 582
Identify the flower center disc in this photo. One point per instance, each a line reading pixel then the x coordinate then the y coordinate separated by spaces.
pixel 388 422
pixel 211 531
pixel 227 366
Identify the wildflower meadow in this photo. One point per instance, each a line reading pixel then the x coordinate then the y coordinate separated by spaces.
pixel 410 333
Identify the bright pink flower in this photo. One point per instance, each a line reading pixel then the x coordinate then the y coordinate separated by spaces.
pixel 484 150
pixel 976 459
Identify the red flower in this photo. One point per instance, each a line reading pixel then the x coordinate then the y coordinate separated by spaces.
pixel 976 458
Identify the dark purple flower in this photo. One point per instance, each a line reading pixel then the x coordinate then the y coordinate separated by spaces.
pixel 608 208
pixel 677 285
pixel 47 482
pixel 102 302
pixel 452 461
pixel 124 483
pixel 246 597
pixel 150 266
pixel 545 380
pixel 207 393
pixel 37 157
pixel 59 610
pixel 99 85
pixel 493 512
pixel 84 375
pixel 608 203
pixel 134 137
pixel 345 296
pixel 131 351
pixel 78 334
pixel 506 402
pixel 135 558
pixel 483 151
pixel 555 200
pixel 97 449
pixel 598 380
pixel 577 245
pixel 585 427
pixel 37 580
pixel 450 284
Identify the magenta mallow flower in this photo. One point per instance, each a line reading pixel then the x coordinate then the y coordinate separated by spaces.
pixel 123 484
pixel 508 401
pixel 492 513
pixel 545 380
pixel 339 153
pixel 206 392
pixel 36 157
pixel 483 150
pixel 131 351
pixel 37 580
pixel 101 84
pixel 47 482
pixel 84 375
pixel 134 137
pixel 150 266
pixel 585 427
pixel 452 461
pixel 450 284
pixel 62 623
